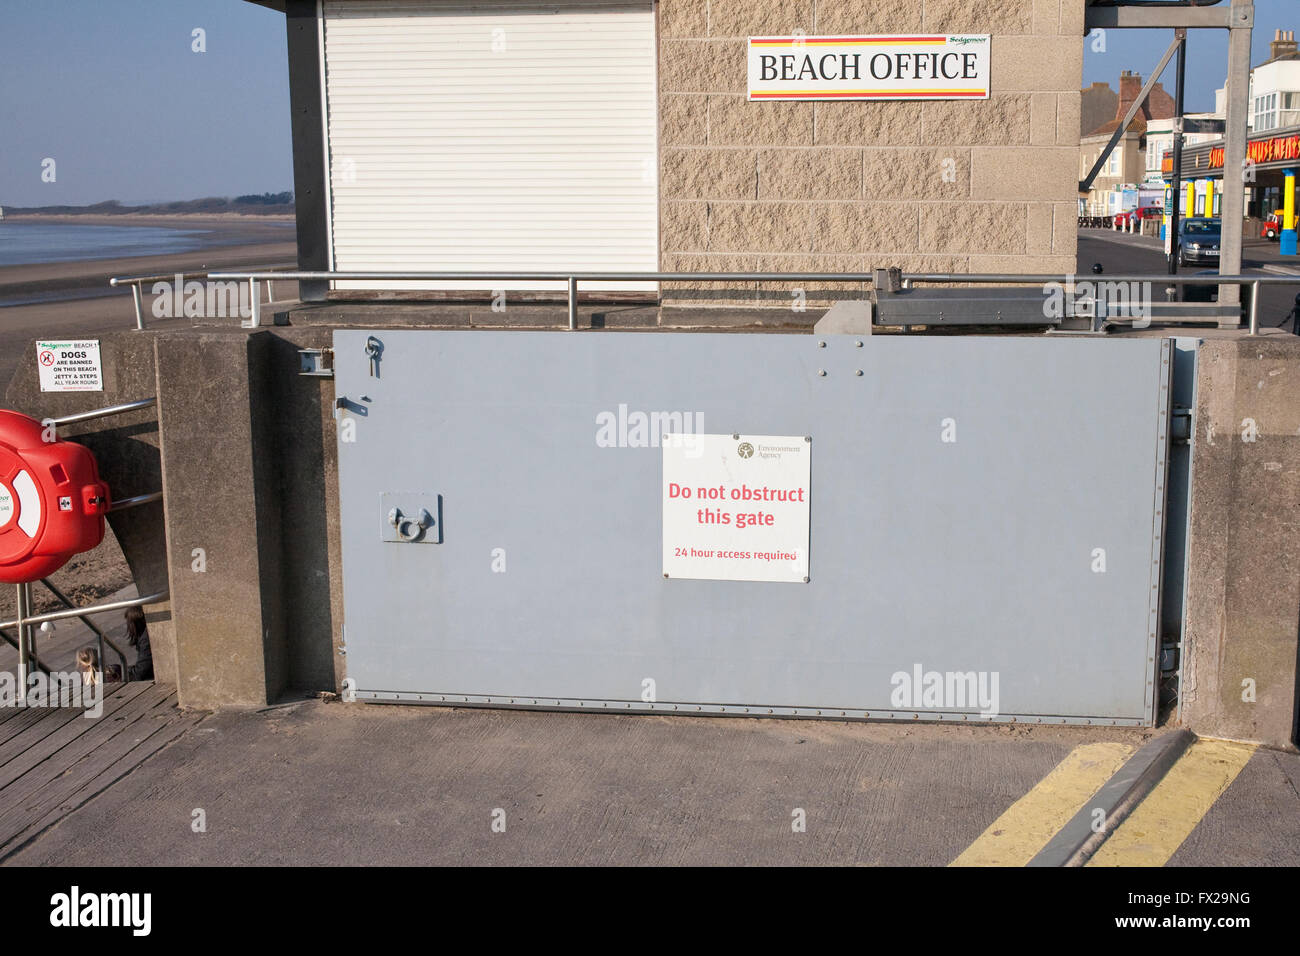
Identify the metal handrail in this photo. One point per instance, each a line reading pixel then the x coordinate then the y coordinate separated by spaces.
pixel 101 412
pixel 137 293
pixel 573 278
pixel 103 638
pixel 123 503
pixel 93 609
pixel 1253 281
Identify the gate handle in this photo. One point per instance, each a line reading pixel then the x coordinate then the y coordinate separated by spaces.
pixel 410 528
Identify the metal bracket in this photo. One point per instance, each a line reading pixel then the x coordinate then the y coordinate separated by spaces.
pixel 316 362
pixel 1085 184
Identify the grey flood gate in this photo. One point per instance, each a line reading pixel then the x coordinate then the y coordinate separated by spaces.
pixel 954 528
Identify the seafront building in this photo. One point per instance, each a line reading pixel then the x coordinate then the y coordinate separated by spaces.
pixel 1125 165
pixel 1145 153
pixel 625 137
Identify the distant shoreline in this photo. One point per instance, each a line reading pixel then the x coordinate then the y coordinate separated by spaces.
pixel 228 240
pixel 178 220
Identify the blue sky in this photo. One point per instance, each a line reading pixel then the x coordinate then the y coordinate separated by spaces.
pixel 111 90
pixel 1207 53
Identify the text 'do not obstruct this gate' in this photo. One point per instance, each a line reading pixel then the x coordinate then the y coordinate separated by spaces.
pixel 957 528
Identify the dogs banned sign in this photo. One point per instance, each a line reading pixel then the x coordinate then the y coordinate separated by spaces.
pixel 735 507
pixel 70 366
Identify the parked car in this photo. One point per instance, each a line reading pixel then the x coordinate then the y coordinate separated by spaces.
pixel 1146 212
pixel 1198 241
pixel 1271 227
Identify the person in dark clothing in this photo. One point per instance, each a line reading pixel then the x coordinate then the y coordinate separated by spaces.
pixel 137 635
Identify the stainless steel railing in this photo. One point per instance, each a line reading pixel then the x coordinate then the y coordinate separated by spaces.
pixel 101 637
pixel 136 284
pixel 102 412
pixel 26 622
pixel 1253 281
pixel 571 280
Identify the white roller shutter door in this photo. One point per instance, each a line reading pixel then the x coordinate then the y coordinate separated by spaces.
pixel 492 136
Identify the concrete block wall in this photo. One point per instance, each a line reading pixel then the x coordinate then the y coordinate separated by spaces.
pixel 1241 649
pixel 851 186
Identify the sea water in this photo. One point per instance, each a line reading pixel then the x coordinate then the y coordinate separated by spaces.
pixel 26 243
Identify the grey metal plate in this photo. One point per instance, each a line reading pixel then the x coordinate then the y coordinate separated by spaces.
pixel 928 306
pixel 966 556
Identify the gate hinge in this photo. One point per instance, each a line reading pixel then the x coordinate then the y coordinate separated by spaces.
pixel 1180 426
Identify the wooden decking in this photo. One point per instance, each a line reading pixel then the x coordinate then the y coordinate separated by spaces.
pixel 55 759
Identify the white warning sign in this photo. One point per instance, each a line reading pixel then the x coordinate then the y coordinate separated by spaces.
pixel 70 366
pixel 736 507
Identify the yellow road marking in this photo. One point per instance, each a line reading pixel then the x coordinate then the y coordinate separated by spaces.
pixel 1161 822
pixel 1015 838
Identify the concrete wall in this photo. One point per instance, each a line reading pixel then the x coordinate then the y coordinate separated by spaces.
pixel 250 479
pixel 1243 606
pixel 803 186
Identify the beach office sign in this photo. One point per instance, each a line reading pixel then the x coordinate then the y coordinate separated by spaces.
pixel 869 68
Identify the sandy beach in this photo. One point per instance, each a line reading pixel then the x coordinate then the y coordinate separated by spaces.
pixel 74 298
pixel 226 240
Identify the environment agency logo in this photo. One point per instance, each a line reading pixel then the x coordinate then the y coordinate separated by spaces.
pixel 745 450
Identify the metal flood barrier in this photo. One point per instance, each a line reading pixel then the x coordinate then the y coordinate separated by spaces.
pixel 984 519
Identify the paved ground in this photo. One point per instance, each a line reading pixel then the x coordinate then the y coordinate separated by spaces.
pixel 1122 253
pixel 1256 821
pixel 332 783
pixel 1256 254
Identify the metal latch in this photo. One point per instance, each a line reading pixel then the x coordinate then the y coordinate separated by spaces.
pixel 409 527
pixel 410 517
